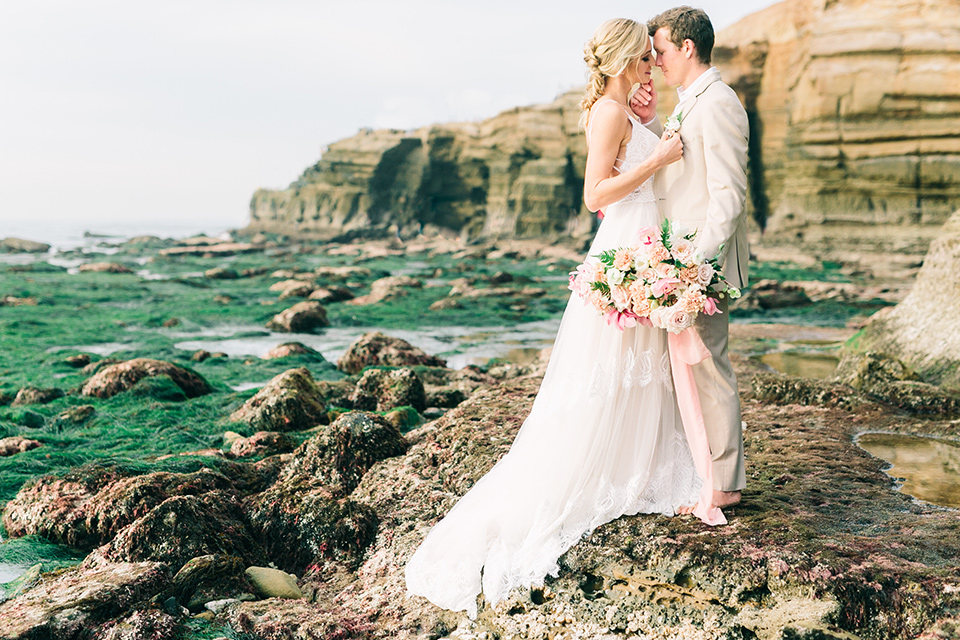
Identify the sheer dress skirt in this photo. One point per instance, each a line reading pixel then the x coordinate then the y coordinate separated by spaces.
pixel 603 439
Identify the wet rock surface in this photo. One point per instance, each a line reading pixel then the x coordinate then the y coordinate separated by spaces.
pixel 33 395
pixel 114 378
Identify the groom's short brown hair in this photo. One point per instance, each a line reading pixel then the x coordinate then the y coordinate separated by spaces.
pixel 686 23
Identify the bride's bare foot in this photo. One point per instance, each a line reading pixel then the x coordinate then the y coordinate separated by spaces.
pixel 725 498
pixel 685 511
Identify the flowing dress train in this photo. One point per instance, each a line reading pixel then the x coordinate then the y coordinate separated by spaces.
pixel 603 439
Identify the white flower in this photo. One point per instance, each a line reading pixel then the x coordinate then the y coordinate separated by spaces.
pixel 614 276
pixel 673 123
pixel 705 274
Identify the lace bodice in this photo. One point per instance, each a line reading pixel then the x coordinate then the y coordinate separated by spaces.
pixel 641 145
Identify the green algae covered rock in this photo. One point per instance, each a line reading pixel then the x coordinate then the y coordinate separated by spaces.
pixel 88 506
pixel 289 402
pixel 303 317
pixel 113 379
pixel 184 527
pixel 34 395
pixel 207 578
pixel 380 390
pixel 375 349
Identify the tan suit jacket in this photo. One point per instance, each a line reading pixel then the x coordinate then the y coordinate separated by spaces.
pixel 707 188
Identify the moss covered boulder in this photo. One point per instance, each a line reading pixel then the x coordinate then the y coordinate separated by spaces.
pixel 88 506
pixel 375 349
pixel 289 402
pixel 379 390
pixel 184 527
pixel 210 577
pixel 114 378
pixel 262 443
pixel 35 395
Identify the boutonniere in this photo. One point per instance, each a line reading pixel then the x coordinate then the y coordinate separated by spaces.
pixel 673 124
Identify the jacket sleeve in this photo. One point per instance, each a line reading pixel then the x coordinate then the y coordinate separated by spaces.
pixel 655 126
pixel 725 136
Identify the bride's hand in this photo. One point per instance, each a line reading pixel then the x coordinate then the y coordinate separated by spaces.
pixel 669 149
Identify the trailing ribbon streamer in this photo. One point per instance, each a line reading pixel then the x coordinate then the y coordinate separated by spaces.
pixel 686 350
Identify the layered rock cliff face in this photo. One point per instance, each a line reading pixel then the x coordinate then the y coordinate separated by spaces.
pixel 518 174
pixel 855 109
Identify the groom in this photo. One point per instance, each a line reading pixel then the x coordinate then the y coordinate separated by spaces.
pixel 706 189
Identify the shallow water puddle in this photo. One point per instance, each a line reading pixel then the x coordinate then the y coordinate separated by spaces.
pixel 929 468
pixel 805 364
pixel 459 346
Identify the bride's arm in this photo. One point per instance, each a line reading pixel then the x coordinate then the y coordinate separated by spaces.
pixel 602 185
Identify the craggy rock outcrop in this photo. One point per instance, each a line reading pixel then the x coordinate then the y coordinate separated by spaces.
pixel 184 527
pixel 923 331
pixel 380 390
pixel 290 402
pixel 33 395
pixel 341 453
pixel 303 317
pixel 88 506
pixel 822 545
pixel 67 606
pixel 854 110
pixel 305 518
pixel 113 379
pixel 375 349
pixel 519 174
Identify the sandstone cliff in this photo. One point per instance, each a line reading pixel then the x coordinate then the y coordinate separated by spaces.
pixel 517 174
pixel 855 111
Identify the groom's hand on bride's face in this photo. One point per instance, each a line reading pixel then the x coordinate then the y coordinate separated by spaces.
pixel 644 102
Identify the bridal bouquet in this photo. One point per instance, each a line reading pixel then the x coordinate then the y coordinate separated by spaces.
pixel 659 282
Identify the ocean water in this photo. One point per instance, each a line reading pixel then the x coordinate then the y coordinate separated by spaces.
pixel 81 235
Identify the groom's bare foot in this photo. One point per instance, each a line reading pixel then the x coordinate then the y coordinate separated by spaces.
pixel 725 498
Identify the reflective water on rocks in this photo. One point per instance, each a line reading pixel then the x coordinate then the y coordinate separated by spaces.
pixel 928 468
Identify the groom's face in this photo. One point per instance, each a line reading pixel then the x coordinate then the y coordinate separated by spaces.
pixel 670 59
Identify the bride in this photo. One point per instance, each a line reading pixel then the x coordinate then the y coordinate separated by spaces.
pixel 604 436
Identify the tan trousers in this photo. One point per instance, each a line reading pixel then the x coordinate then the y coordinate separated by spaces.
pixel 717 386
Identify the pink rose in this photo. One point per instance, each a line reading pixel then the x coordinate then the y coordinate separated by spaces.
pixel 677 319
pixel 705 274
pixel 649 275
pixel 621 297
pixel 683 250
pixel 665 270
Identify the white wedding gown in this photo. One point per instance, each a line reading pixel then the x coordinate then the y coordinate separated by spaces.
pixel 603 439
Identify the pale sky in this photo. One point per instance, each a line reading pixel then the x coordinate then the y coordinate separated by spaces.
pixel 136 112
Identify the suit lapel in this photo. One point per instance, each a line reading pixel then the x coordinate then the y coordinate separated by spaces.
pixel 687 105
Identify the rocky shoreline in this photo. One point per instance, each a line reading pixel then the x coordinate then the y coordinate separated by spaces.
pixel 288 510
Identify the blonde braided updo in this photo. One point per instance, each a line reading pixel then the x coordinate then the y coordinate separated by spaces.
pixel 615 44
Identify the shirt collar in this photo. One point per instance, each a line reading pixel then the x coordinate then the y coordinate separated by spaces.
pixel 697 84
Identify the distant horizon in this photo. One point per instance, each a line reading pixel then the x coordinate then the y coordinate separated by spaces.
pixel 174 114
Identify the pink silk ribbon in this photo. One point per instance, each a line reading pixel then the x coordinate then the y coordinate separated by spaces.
pixel 686 350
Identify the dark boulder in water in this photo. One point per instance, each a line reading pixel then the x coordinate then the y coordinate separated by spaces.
pixel 380 390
